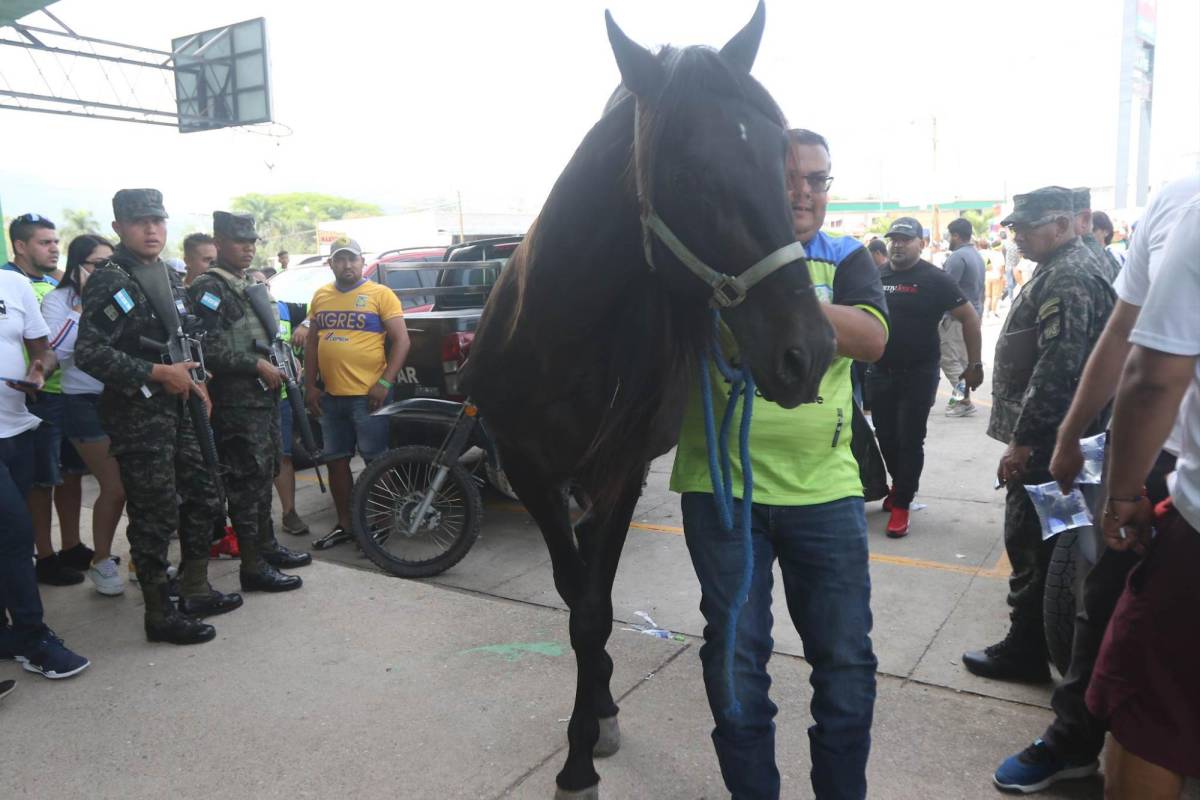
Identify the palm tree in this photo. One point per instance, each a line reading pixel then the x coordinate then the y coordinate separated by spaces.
pixel 77 221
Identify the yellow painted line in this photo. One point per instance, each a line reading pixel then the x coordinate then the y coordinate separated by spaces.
pixel 1001 569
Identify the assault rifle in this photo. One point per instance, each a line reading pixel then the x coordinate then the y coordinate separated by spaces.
pixel 180 348
pixel 279 353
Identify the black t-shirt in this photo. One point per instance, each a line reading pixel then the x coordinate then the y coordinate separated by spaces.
pixel 917 298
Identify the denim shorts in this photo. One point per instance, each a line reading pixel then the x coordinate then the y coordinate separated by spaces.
pixel 285 428
pixel 345 423
pixel 82 420
pixel 53 455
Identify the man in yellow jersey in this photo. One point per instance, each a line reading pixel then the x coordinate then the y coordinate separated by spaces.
pixel 357 348
pixel 807 512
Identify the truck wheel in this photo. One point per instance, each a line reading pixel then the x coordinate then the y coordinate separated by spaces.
pixel 1059 599
pixel 386 497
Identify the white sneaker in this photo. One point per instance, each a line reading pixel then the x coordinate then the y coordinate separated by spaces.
pixel 960 410
pixel 107 577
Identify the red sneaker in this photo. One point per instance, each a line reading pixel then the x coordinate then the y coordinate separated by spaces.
pixel 226 547
pixel 897 527
pixel 887 501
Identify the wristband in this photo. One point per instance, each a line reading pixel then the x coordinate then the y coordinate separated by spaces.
pixel 306 323
pixel 385 383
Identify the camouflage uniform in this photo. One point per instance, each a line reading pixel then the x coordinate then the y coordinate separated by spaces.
pixel 1106 264
pixel 245 415
pixel 1046 340
pixel 151 433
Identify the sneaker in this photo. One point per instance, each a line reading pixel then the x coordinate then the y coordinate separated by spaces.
pixel 51 658
pixel 1036 767
pixel 897 527
pixel 227 547
pixel 6 688
pixel 292 524
pixel 107 577
pixel 78 557
pixel 334 537
pixel 52 572
pixel 960 410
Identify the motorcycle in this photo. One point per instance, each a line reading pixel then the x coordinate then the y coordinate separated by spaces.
pixel 416 510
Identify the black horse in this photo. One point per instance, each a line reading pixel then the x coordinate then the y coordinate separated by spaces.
pixel 594 333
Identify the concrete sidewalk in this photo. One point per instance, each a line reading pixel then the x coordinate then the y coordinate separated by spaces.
pixel 365 685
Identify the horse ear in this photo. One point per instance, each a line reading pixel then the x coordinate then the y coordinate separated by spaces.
pixel 640 71
pixel 743 47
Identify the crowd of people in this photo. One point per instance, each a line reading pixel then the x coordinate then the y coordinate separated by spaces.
pixel 126 366
pixel 105 391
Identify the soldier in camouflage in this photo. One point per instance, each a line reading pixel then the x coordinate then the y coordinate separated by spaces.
pixel 245 395
pixel 144 413
pixel 1106 263
pixel 1050 331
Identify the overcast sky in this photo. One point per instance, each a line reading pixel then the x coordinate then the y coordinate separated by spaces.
pixel 406 102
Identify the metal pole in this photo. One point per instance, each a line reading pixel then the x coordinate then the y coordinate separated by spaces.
pixel 462 230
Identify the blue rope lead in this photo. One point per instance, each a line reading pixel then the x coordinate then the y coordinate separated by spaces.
pixel 720 471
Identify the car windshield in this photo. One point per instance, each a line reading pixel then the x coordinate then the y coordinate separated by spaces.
pixel 298 284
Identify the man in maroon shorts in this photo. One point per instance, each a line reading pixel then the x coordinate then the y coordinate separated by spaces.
pixel 1146 681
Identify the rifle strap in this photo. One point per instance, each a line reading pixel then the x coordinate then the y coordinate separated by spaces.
pixel 159 294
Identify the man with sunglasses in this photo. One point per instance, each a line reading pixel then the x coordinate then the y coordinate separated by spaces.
pixel 1051 329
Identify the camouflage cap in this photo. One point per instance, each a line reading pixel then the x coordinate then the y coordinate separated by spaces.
pixel 236 227
pixel 344 243
pixel 1039 204
pixel 131 204
pixel 1082 199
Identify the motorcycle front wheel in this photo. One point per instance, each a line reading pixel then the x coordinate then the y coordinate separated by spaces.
pixel 387 497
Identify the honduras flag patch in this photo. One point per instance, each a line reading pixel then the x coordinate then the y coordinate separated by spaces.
pixel 123 300
pixel 210 301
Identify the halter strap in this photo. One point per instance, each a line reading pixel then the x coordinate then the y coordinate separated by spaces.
pixel 728 290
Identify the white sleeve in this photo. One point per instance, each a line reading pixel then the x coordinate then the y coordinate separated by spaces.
pixel 56 310
pixel 1168 321
pixel 35 325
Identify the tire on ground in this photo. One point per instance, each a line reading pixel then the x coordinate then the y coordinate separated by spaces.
pixel 1059 599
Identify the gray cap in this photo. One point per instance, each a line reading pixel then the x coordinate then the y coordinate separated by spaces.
pixel 131 204
pixel 1039 203
pixel 1081 197
pixel 344 243
pixel 906 226
pixel 236 227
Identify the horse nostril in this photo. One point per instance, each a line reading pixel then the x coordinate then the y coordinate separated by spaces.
pixel 794 366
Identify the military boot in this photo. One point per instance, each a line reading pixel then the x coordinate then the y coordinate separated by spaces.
pixel 165 623
pixel 198 598
pixel 279 556
pixel 265 578
pixel 1019 657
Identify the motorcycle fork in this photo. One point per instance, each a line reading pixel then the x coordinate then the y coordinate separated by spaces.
pixel 448 455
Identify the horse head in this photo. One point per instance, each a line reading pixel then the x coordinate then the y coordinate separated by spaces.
pixel 710 151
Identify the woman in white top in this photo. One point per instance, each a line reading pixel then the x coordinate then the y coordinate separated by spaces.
pixel 82 397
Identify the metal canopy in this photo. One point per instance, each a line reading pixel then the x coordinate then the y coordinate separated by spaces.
pixel 213 79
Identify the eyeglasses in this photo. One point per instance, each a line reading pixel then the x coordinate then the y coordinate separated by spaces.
pixel 818 183
pixel 92 262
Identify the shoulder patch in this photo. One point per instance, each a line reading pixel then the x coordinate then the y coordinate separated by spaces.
pixel 1049 308
pixel 210 301
pixel 1051 329
pixel 123 300
pixel 111 312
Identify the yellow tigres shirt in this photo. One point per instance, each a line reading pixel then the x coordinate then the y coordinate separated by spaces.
pixel 352 349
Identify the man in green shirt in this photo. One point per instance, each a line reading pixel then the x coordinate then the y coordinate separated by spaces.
pixel 807 512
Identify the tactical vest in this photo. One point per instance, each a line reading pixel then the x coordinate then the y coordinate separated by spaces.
pixel 244 328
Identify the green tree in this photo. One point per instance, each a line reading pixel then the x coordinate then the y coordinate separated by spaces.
pixel 981 222
pixel 289 221
pixel 77 221
pixel 879 226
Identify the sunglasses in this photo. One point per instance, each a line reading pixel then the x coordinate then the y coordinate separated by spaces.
pixel 31 219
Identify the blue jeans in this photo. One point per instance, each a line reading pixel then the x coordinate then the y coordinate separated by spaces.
pixel 346 422
pixel 20 601
pixel 822 552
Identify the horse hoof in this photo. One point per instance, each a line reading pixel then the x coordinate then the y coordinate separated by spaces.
pixel 610 738
pixel 590 793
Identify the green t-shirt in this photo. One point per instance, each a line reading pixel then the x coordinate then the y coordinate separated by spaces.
pixel 800 456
